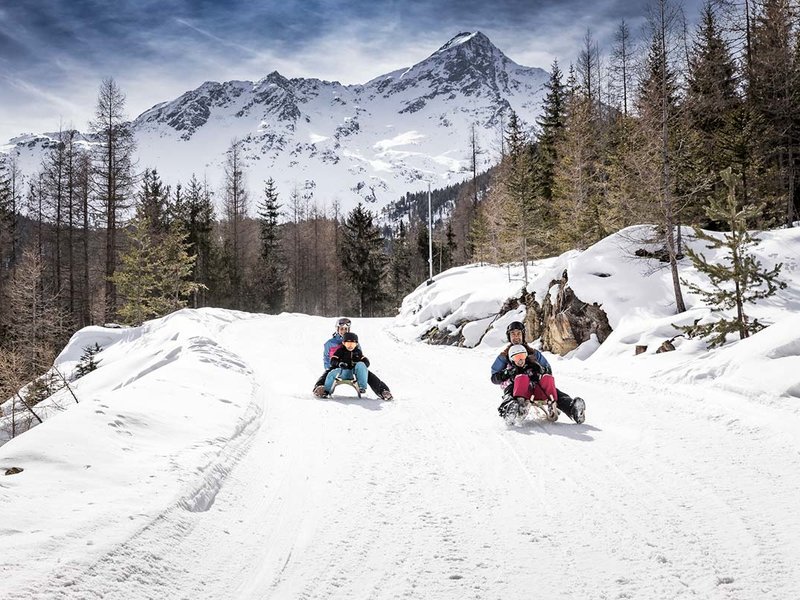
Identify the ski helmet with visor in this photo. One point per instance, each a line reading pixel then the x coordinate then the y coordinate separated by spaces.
pixel 517 350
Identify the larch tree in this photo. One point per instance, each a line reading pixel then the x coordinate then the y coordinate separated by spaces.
pixel 658 109
pixel 621 68
pixel 113 175
pixel 235 205
pixel 34 320
pixel 521 212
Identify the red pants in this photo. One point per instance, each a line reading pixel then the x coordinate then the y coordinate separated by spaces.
pixel 545 389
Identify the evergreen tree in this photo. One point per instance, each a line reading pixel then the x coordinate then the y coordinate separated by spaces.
pixel 153 278
pixel 551 124
pixel 9 209
pixel 153 203
pixel 712 109
pixel 363 259
pixel 740 279
pixel 480 237
pixel 196 213
pixel 401 278
pixel 88 362
pixel 774 99
pixel 272 267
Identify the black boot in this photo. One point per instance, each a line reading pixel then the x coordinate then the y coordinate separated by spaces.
pixel 578 412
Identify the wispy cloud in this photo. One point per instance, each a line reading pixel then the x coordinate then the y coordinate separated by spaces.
pixel 54 53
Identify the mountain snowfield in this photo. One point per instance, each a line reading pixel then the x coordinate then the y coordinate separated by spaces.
pixel 198 465
pixel 334 142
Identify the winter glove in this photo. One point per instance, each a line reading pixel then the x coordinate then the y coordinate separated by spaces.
pixel 345 365
pixel 501 377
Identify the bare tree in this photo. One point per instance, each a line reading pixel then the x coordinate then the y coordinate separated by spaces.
pixel 113 174
pixel 622 71
pixel 234 206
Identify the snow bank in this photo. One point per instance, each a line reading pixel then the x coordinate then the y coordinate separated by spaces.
pixel 637 295
pixel 158 423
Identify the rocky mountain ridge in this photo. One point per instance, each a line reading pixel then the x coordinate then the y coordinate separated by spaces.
pixel 339 143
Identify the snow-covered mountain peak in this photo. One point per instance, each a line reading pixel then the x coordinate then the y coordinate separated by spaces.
pixel 472 42
pixel 346 142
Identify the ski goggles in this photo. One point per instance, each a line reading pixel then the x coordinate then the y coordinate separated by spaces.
pixel 343 323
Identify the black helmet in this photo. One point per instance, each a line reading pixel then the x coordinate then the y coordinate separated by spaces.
pixel 515 326
pixel 349 337
pixel 343 322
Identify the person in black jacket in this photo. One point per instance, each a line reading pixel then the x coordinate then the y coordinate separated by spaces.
pixel 348 362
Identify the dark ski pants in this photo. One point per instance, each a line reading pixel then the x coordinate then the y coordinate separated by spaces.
pixel 373 381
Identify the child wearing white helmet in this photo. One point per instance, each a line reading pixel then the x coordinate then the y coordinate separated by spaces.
pixel 518 358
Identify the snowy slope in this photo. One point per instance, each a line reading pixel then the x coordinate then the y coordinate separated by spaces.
pixel 198 465
pixel 217 475
pixel 374 141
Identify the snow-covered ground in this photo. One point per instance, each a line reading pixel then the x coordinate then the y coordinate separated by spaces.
pixel 198 465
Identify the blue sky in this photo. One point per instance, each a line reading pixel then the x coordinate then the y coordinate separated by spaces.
pixel 54 53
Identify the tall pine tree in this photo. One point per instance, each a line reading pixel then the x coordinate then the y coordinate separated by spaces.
pixel 272 285
pixel 363 259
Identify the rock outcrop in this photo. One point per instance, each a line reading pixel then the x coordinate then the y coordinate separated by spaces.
pixel 563 320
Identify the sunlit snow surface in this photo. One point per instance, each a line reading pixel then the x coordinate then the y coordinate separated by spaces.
pixel 198 464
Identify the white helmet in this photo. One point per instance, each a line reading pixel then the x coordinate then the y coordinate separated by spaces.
pixel 516 349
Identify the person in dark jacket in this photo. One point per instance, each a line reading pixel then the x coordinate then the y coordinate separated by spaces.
pixel 349 362
pixel 330 347
pixel 575 408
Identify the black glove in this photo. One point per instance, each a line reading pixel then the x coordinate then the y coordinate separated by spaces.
pixel 345 365
pixel 534 370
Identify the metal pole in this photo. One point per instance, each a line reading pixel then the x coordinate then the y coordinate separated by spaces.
pixel 430 238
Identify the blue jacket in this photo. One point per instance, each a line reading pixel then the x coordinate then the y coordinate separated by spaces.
pixel 502 360
pixel 331 346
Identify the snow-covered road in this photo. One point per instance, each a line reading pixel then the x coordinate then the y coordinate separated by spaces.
pixel 665 492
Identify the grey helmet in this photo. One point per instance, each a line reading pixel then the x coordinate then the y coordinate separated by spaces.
pixel 515 350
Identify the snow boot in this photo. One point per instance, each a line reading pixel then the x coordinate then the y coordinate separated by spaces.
pixel 523 407
pixel 509 410
pixel 320 392
pixel 387 395
pixel 578 410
